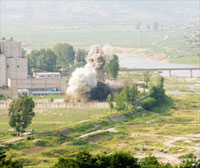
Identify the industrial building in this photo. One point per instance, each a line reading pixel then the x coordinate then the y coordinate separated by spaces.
pixel 14 80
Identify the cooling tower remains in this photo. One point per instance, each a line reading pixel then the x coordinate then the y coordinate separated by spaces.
pixel 88 82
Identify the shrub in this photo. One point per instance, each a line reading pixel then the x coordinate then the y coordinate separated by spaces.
pixel 79 142
pixel 189 163
pixel 158 91
pixel 126 98
pixel 187 156
pixel 152 162
pixel 2 97
pixel 66 100
pixel 51 99
pixel 122 160
pixel 8 163
pixel 109 101
pixel 41 143
pixel 30 138
pixel 11 146
pixel 70 163
pixel 148 103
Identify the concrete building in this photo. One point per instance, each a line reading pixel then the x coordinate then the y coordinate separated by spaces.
pixel 14 79
pixel 12 64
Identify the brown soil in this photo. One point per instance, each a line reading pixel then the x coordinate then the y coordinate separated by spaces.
pixel 33 150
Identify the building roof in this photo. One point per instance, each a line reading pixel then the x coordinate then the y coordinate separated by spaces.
pixel 45 72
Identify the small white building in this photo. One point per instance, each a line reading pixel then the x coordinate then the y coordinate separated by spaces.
pixel 45 74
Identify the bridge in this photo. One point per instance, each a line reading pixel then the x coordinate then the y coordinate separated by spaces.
pixel 161 69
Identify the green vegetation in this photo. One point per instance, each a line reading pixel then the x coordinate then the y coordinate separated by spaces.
pixel 8 163
pixel 80 58
pixel 173 44
pixel 65 56
pixel 43 59
pixel 157 92
pixel 62 58
pixel 65 131
pixel 117 160
pixel 86 160
pixel 112 67
pixel 2 97
pixel 148 103
pixel 156 96
pixel 21 113
pixel 126 99
pixel 147 79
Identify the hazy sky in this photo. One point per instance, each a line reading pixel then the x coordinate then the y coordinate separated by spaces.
pixel 49 12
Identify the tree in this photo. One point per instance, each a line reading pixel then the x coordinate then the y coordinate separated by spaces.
pixel 50 60
pixel 133 95
pixel 21 113
pixel 84 159
pixel 110 103
pixel 66 163
pixel 126 98
pixel 148 103
pixel 8 163
pixel 123 160
pixel 43 59
pixel 152 162
pixel 146 79
pixel 112 67
pixel 80 57
pixel 189 163
pixel 158 91
pixel 65 56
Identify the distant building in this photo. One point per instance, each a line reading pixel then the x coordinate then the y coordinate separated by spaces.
pixel 45 74
pixel 14 79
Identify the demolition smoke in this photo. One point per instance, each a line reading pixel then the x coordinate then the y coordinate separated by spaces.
pixel 85 80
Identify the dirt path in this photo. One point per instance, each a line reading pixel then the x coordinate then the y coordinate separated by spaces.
pixel 14 140
pixel 98 131
pixel 172 158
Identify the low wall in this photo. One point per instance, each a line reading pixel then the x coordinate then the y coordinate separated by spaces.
pixel 35 83
pixel 49 105
pixel 9 92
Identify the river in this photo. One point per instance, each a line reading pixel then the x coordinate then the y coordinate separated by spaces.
pixel 130 60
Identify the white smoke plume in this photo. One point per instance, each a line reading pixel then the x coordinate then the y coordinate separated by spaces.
pixel 113 84
pixel 84 79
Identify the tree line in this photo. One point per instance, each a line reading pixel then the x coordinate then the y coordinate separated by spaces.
pixel 118 160
pixel 115 160
pixel 64 58
pixel 128 97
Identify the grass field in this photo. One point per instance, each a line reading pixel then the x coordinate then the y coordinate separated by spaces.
pixel 169 131
pixel 170 42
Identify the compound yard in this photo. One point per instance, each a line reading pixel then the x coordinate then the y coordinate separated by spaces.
pixel 170 131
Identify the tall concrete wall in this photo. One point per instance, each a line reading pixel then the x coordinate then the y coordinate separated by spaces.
pixel 37 83
pixel 11 49
pixel 17 68
pixel 3 68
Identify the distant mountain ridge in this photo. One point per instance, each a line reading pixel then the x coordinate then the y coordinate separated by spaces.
pixel 94 12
